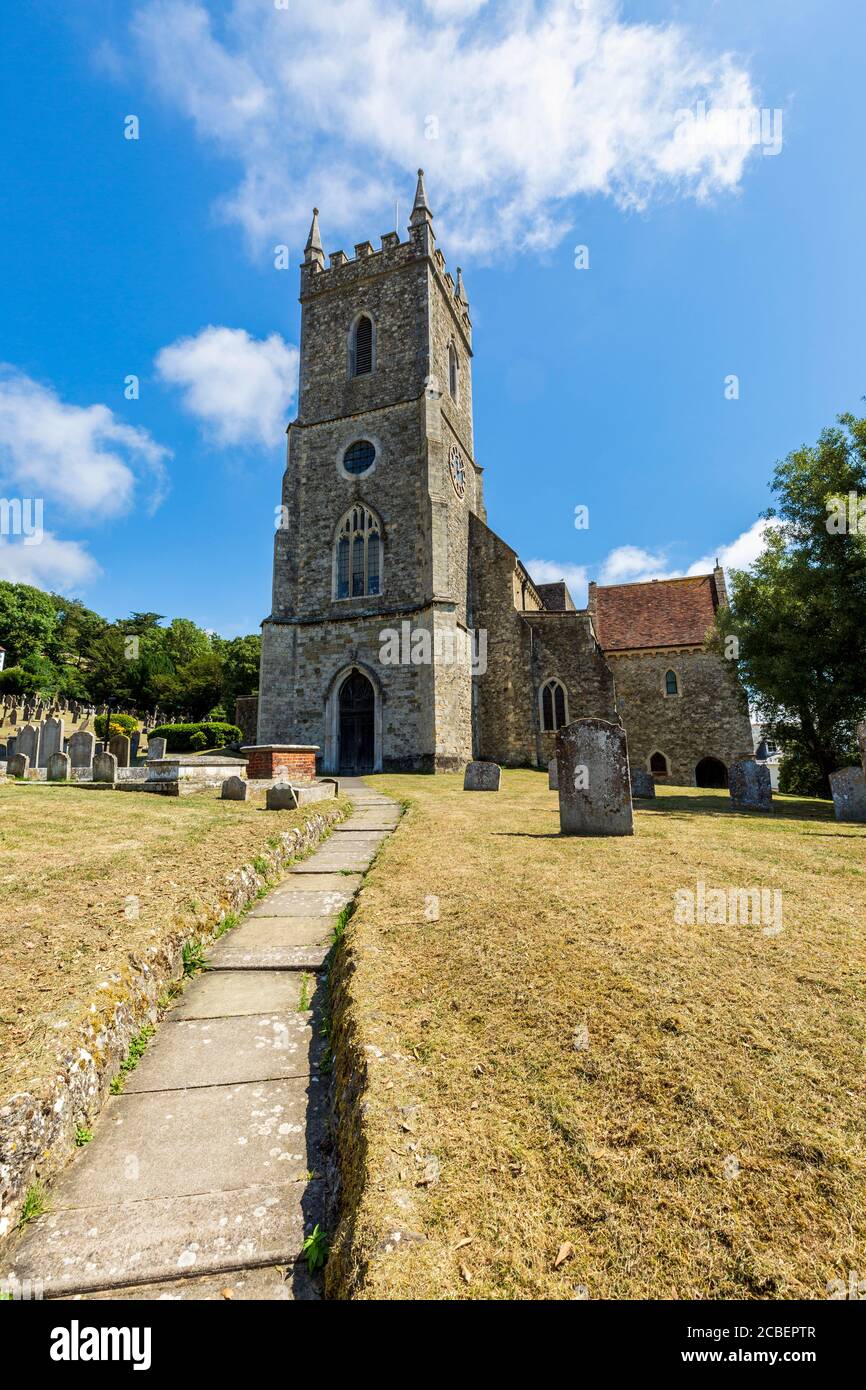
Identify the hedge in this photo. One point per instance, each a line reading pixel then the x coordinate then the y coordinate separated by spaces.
pixel 179 736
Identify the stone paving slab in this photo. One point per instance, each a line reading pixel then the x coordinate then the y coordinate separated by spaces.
pixel 354 834
pixel 219 994
pixel 210 1138
pixel 197 1052
pixel 335 863
pixel 324 881
pixel 111 1246
pixel 273 1283
pixel 266 945
pixel 295 902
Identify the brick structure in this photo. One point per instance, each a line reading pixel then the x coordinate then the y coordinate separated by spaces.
pixel 387 579
pixel 269 760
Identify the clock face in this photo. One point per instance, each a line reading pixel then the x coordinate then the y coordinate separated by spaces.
pixel 458 470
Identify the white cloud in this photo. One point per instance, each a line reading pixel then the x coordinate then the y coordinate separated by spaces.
pixel 239 387
pixel 82 459
pixel 54 564
pixel 514 110
pixel 629 564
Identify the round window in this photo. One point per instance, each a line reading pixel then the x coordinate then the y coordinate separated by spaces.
pixel 359 457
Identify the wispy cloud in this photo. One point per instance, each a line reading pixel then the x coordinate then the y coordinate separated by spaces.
pixel 63 566
pixel 239 388
pixel 514 109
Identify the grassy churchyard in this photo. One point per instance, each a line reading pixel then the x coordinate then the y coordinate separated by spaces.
pixel 86 878
pixel 572 1094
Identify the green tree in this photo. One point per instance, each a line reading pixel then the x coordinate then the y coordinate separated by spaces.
pixel 241 657
pixel 799 614
pixel 27 621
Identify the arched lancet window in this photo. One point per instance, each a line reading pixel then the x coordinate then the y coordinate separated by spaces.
pixel 362 346
pixel 554 706
pixel 453 372
pixel 671 683
pixel 358 555
pixel 658 765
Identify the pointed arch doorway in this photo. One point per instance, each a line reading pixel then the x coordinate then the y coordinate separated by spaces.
pixel 356 725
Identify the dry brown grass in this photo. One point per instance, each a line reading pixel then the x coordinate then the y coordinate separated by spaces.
pixel 705 1043
pixel 69 859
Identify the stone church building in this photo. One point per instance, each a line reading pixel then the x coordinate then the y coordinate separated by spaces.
pixel 404 634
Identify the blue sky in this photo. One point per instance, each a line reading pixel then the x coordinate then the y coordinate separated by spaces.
pixel 542 127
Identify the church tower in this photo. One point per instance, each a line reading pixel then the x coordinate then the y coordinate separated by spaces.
pixel 366 651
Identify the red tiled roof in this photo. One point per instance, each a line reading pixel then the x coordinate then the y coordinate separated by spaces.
pixel 661 613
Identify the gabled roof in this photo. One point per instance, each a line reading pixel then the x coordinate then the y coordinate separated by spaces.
pixel 660 613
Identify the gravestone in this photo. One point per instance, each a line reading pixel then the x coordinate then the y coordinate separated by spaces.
pixel 118 744
pixel 18 765
pixel 13 718
pixel 4 752
pixel 51 741
pixel 848 786
pixel 281 798
pixel 749 784
pixel 594 784
pixel 481 777
pixel 99 747
pixel 81 748
pixel 105 767
pixel 58 767
pixel 552 776
pixel 642 783
pixel 156 748
pixel 235 789
pixel 28 742
pixel 861 741
pixel 134 743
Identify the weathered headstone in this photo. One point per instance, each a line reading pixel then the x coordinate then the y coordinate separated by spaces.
pixel 81 748
pixel 105 767
pixel 749 784
pixel 594 784
pixel 99 747
pixel 552 776
pixel 118 744
pixel 134 742
pixel 18 765
pixel 58 767
pixel 861 741
pixel 13 718
pixel 235 789
pixel 642 783
pixel 281 798
pixel 848 786
pixel 481 777
pixel 156 748
pixel 51 741
pixel 28 742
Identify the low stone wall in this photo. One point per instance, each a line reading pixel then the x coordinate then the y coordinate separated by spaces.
pixel 37 1132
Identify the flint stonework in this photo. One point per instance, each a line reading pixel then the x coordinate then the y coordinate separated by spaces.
pixel 749 784
pixel 482 777
pixel 848 786
pixel 594 784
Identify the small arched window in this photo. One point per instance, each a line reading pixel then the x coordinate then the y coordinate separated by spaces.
pixel 453 372
pixel 554 708
pixel 671 683
pixel 658 765
pixel 362 346
pixel 358 555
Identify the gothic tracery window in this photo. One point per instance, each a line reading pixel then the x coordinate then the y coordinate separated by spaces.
pixel 358 555
pixel 554 709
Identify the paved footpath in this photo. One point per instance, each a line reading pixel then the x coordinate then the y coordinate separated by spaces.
pixel 201 1179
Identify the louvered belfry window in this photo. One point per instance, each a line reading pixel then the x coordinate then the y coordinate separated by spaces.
pixel 363 353
pixel 358 567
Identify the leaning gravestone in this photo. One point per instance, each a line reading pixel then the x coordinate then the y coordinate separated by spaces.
pixel 848 786
pixel 749 784
pixel 105 767
pixel 81 748
pixel 642 783
pixel 281 798
pixel 58 767
pixel 18 765
pixel 28 742
pixel 118 744
pixel 235 789
pixel 51 741
pixel 156 748
pixel 552 776
pixel 594 785
pixel 481 777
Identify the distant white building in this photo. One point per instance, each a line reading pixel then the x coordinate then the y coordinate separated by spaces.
pixel 767 751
